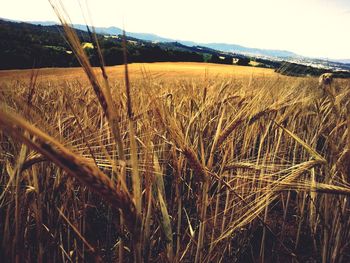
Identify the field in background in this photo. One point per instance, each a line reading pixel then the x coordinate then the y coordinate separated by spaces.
pixel 161 70
pixel 213 163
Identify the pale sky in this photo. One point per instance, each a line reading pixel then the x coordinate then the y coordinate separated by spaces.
pixel 318 28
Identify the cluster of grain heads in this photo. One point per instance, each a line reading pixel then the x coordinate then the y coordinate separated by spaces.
pixel 103 92
pixel 75 165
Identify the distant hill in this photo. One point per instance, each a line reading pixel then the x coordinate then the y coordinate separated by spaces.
pixel 217 46
pixel 24 45
pixel 223 47
pixel 112 31
pixel 345 61
pixel 40 44
pixel 251 51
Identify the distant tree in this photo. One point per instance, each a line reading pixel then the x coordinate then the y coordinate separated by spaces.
pixel 215 59
pixel 113 56
pixel 206 57
pixel 221 59
pixel 228 60
pixel 244 61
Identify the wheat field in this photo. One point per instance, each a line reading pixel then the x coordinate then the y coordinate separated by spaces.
pixel 172 162
pixel 158 70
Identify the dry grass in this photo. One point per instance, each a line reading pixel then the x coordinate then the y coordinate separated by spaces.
pixel 160 71
pixel 212 163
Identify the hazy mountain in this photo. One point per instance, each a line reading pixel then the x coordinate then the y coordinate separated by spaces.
pixel 345 61
pixel 267 57
pixel 43 23
pixel 110 31
pixel 155 38
pixel 251 51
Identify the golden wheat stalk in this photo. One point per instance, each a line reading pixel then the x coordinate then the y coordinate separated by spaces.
pixel 76 166
pixel 103 95
pixel 176 134
pixel 270 193
pixel 238 121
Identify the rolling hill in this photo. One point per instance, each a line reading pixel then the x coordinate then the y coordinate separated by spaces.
pixel 234 48
pixel 25 45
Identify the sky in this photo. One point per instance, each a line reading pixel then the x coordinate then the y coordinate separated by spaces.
pixel 315 28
